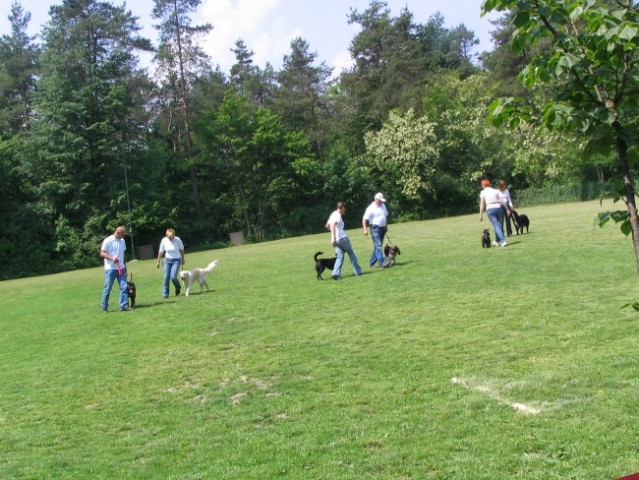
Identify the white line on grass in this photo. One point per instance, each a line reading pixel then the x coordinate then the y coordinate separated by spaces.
pixel 520 407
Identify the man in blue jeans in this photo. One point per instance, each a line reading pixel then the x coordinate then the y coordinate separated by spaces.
pixel 376 215
pixel 112 251
pixel 340 242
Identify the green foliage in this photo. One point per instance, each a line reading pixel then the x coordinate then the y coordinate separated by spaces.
pixel 265 163
pixel 406 150
pixel 590 41
pixel 621 217
pixel 592 65
pixel 179 61
pixel 299 98
pixel 394 57
pixel 18 70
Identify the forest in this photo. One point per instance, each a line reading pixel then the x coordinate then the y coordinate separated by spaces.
pixel 89 139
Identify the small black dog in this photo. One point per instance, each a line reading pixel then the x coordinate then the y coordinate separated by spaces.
pixel 485 239
pixel 520 222
pixel 322 264
pixel 131 290
pixel 390 254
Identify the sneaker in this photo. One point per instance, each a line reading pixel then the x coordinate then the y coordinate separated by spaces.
pixel 495 243
pixel 125 309
pixel 177 291
pixel 104 310
pixel 504 244
pixel 335 277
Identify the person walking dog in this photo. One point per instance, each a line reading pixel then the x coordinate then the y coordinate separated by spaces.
pixel 376 216
pixel 172 248
pixel 112 251
pixel 490 201
pixel 341 242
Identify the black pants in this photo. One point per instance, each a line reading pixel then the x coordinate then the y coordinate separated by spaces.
pixel 508 231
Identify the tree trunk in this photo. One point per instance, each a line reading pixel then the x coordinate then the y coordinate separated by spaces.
pixel 622 153
pixel 187 120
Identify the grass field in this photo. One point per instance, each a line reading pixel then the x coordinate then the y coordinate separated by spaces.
pixel 458 363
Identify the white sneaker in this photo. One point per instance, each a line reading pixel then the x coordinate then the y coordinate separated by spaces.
pixel 504 244
pixel 495 244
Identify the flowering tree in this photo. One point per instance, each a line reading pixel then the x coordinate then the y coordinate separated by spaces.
pixel 406 148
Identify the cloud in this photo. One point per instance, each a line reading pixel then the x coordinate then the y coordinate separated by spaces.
pixel 341 62
pixel 255 21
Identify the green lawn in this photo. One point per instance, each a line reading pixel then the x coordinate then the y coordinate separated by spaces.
pixel 458 363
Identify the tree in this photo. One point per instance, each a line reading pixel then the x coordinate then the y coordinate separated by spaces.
pixel 248 79
pixel 502 62
pixel 406 150
pixel 460 55
pixel 18 70
pixel 468 146
pixel 89 105
pixel 260 159
pixel 592 63
pixel 299 98
pixel 390 64
pixel 18 67
pixel 180 59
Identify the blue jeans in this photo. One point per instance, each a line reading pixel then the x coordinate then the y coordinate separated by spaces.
pixel 377 234
pixel 496 217
pixel 344 246
pixel 109 278
pixel 171 269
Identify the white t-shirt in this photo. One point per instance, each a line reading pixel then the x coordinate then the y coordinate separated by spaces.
pixel 376 216
pixel 171 248
pixel 115 247
pixel 492 198
pixel 336 218
pixel 505 197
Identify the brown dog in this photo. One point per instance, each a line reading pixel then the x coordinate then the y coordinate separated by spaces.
pixel 131 291
pixel 390 254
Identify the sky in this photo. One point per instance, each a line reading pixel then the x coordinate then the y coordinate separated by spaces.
pixel 268 26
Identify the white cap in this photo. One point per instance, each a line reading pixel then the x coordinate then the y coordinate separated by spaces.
pixel 380 196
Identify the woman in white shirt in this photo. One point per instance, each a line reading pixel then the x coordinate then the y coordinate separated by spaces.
pixel 508 206
pixel 172 249
pixel 490 202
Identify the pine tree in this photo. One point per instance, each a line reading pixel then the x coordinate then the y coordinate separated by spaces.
pixel 300 96
pixel 18 68
pixel 179 60
pixel 89 106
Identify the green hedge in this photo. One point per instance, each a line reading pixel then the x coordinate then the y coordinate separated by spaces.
pixel 561 194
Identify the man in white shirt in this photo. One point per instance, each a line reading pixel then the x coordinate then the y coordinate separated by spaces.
pixel 376 215
pixel 112 251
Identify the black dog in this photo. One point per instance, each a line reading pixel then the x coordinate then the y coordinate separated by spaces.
pixel 322 264
pixel 485 239
pixel 390 252
pixel 520 222
pixel 131 289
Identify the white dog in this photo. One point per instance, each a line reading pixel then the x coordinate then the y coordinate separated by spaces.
pixel 189 277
